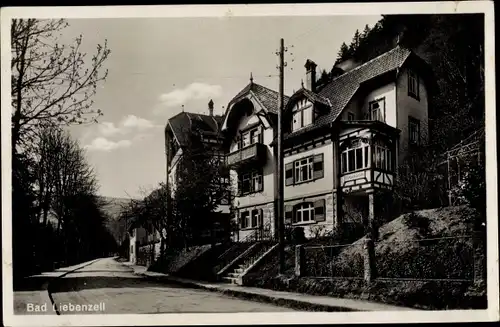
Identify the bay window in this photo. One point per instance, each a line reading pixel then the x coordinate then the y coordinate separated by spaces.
pixel 355 156
pixel 382 156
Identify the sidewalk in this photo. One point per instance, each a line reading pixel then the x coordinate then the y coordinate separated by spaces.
pixel 35 290
pixel 290 299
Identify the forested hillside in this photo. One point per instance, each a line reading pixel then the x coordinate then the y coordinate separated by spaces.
pixel 454 47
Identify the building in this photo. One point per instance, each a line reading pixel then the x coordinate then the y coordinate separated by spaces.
pixel 342 143
pixel 144 244
pixel 182 134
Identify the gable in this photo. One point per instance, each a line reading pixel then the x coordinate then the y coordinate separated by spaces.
pixel 341 90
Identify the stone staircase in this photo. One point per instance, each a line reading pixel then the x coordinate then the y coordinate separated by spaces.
pixel 241 265
pixel 239 259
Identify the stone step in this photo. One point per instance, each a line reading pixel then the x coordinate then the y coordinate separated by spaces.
pixel 239 270
pixel 233 274
pixel 231 280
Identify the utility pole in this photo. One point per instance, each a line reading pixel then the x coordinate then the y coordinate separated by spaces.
pixel 279 195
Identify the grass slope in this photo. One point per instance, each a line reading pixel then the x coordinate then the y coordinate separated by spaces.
pixel 400 253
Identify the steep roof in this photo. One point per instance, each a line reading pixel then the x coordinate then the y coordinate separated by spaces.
pixel 185 122
pixel 341 89
pixel 268 97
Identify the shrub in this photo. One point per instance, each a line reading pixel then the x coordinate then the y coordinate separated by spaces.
pixel 415 221
pixel 298 236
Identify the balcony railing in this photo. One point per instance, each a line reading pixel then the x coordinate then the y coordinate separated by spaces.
pixel 252 154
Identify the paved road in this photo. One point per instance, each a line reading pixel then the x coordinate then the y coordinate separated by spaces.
pixel 110 287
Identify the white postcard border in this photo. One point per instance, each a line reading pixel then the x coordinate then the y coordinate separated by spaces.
pixel 227 11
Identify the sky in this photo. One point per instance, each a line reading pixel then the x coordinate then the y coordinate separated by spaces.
pixel 158 65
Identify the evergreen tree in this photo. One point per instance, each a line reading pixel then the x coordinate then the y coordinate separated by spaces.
pixel 355 42
pixel 343 53
pixel 366 31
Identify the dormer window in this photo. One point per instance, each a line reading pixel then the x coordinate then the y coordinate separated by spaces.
pixel 302 115
pixel 377 110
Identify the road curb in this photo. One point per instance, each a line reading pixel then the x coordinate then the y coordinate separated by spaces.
pixel 289 303
pixel 46 285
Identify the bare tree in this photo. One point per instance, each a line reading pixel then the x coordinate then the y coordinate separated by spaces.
pixel 51 83
pixel 62 172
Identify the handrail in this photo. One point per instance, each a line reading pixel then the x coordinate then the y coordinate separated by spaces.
pixel 248 237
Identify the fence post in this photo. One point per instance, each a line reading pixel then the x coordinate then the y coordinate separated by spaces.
pixel 479 258
pixel 369 261
pixel 299 261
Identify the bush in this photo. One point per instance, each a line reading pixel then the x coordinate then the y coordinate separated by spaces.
pixel 298 236
pixel 415 221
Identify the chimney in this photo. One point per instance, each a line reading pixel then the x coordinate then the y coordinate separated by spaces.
pixel 211 107
pixel 310 75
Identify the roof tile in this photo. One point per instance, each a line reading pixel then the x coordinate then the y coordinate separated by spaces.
pixel 341 89
pixel 268 97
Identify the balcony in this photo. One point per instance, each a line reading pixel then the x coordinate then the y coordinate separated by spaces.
pixel 254 154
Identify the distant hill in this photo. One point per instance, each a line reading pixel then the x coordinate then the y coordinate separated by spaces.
pixel 113 207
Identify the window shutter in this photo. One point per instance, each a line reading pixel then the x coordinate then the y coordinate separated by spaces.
pixel 318 166
pixel 238 141
pixel 288 214
pixel 241 220
pixel 418 88
pixel 261 181
pixel 261 135
pixel 260 220
pixel 289 174
pixel 319 210
pixel 408 82
pixel 238 191
pixel 294 214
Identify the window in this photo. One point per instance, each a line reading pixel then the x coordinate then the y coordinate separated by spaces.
pixel 256 218
pixel 245 219
pixel 250 182
pixel 304 170
pixel 414 130
pixel 249 137
pixel 377 110
pixel 251 218
pixel 355 156
pixel 304 212
pixel 225 196
pixel 413 87
pixel 350 116
pixel 382 156
pixel 255 136
pixel 302 115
